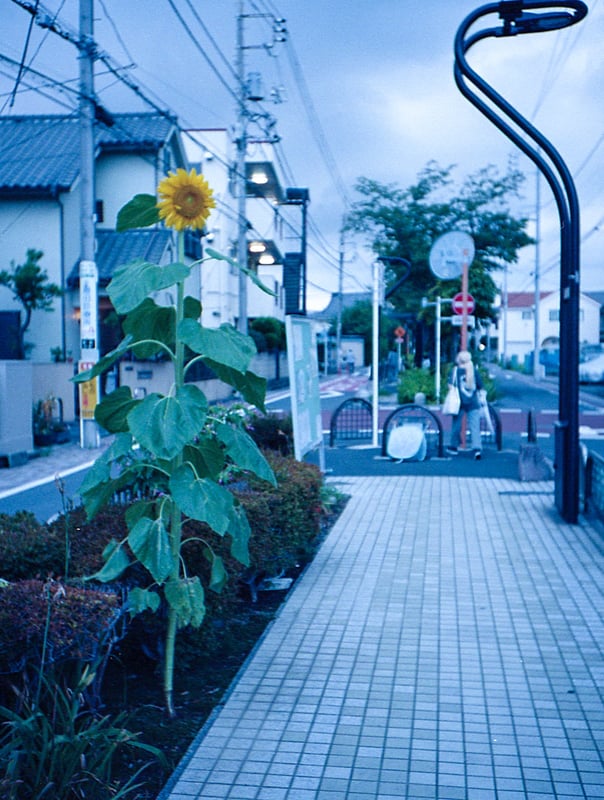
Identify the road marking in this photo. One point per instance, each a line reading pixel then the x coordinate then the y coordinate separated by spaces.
pixel 64 473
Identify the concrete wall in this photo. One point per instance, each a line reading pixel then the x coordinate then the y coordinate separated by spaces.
pixel 54 379
pixel 16 436
pixel 146 377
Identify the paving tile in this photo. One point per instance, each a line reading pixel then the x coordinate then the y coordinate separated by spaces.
pixel 416 659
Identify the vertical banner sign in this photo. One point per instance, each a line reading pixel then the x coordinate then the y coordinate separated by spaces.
pixel 88 392
pixel 88 305
pixel 303 365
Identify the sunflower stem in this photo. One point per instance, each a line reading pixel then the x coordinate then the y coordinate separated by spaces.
pixel 176 515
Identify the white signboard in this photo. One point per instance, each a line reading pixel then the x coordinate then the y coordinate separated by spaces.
pixel 303 365
pixel 450 253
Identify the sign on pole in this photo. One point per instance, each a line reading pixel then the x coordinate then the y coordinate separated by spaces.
pixel 458 303
pixel 449 253
pixel 303 365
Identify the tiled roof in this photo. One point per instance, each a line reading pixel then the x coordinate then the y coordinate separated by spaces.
pixel 524 299
pixel 41 153
pixel 349 299
pixel 115 249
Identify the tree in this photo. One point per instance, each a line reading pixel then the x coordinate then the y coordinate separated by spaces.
pixel 30 286
pixel 407 222
pixel 268 333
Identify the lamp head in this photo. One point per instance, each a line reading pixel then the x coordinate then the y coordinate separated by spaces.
pixel 516 20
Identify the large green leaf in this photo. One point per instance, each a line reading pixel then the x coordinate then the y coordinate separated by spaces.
pixel 240 532
pixel 225 345
pixel 201 498
pixel 164 425
pixel 207 458
pixel 218 574
pixel 116 561
pixel 251 386
pixel 253 276
pixel 140 600
pixel 150 543
pixel 112 412
pixel 244 451
pixel 187 599
pixel 140 212
pixel 104 363
pixel 150 321
pixel 192 308
pixel 99 485
pixel 133 282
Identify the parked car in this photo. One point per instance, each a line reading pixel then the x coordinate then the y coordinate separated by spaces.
pixel 592 371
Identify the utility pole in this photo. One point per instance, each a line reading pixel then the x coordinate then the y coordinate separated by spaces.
pixel 241 178
pixel 89 345
pixel 249 89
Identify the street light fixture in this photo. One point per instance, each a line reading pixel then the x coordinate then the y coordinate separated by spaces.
pixel 519 17
pixel 296 262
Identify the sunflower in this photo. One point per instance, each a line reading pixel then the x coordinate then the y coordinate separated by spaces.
pixel 185 200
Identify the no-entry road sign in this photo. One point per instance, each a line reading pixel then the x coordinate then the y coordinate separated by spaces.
pixel 457 304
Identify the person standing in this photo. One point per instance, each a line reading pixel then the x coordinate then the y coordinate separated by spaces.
pixel 469 383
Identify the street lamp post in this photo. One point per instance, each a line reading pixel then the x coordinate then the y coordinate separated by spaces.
pixel 518 17
pixel 379 296
pixel 438 303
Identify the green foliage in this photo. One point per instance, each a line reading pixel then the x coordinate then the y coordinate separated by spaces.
pixel 54 747
pixel 30 286
pixel 357 320
pixel 413 380
pixel 271 432
pixel 268 333
pixel 406 223
pixel 172 445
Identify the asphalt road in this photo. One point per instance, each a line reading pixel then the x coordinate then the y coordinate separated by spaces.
pixel 517 395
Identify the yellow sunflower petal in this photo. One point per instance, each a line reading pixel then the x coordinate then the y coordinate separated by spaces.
pixel 186 200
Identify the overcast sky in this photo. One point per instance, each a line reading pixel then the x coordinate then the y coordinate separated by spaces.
pixel 368 90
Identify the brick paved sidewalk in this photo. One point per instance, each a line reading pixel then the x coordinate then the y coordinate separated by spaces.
pixel 425 653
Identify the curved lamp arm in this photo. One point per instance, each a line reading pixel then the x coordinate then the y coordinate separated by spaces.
pixel 519 17
pixel 516 21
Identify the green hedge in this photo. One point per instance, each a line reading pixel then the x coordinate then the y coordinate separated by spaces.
pixel 285 522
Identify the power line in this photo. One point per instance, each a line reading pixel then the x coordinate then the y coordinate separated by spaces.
pixel 200 49
pixel 22 64
pixel 52 23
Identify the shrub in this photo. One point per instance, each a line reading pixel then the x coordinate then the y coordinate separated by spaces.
pixel 28 549
pixel 48 623
pixel 414 380
pixel 271 432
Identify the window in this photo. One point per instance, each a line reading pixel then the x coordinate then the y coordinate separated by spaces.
pixel 99 211
pixel 527 314
pixel 554 315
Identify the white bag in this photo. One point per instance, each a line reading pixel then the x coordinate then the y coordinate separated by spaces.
pixel 407 441
pixel 452 402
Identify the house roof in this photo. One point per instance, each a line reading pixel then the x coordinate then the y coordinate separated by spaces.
pixel 115 249
pixel 349 299
pixel 40 153
pixel 524 299
pixel 597 296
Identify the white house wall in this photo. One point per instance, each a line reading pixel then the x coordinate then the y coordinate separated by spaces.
pixel 211 150
pixel 521 332
pixel 118 178
pixel 34 224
